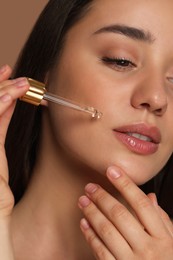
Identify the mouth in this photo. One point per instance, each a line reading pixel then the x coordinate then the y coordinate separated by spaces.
pixel 139 138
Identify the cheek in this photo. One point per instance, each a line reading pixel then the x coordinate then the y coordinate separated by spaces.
pixel 92 144
pixel 87 140
pixel 81 89
pixel 76 132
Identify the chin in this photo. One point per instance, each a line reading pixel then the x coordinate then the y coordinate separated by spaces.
pixel 140 177
pixel 138 170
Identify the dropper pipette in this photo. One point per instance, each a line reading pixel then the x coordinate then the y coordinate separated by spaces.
pixel 37 92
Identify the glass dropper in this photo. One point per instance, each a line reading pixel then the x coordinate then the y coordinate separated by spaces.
pixel 37 92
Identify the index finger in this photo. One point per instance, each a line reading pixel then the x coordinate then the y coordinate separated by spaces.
pixel 5 72
pixel 139 202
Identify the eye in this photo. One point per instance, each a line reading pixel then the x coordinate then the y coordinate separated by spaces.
pixel 170 79
pixel 120 64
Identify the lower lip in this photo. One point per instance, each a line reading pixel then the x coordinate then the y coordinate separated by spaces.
pixel 136 145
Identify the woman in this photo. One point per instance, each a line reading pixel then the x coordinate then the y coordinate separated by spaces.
pixel 115 56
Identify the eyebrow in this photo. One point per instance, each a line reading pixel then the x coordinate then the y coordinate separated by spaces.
pixel 131 32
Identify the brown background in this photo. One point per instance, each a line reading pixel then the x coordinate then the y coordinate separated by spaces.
pixel 16 20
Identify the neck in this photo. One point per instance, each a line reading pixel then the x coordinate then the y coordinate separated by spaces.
pixel 47 218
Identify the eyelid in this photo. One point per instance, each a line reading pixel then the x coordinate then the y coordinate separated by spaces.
pixel 110 60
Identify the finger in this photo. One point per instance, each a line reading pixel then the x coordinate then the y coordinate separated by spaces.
pixel 5 72
pixel 7 97
pixel 153 198
pixel 11 92
pixel 7 84
pixel 6 206
pixel 139 202
pixel 4 122
pixel 6 247
pixel 119 215
pixel 99 249
pixel 167 221
pixel 105 229
pixel 6 199
pixel 12 87
pixel 164 216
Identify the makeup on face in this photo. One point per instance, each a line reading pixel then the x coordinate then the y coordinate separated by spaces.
pixel 37 93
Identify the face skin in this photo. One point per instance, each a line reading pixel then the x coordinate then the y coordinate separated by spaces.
pixel 75 149
pixel 137 91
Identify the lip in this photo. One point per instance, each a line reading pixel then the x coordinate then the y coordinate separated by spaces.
pixel 137 145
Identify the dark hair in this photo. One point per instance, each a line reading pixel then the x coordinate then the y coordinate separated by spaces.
pixel 38 56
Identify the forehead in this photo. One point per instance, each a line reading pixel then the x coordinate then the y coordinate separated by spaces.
pixel 152 15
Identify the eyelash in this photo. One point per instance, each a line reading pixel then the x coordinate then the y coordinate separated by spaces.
pixel 120 64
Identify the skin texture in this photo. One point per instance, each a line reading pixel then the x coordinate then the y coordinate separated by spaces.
pixel 142 90
pixel 76 150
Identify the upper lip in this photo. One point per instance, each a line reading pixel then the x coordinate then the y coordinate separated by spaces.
pixel 143 129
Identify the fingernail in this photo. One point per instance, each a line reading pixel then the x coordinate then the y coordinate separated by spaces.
pixel 5 98
pixel 91 188
pixel 84 201
pixel 19 79
pixel 21 82
pixel 3 68
pixel 113 172
pixel 84 224
pixel 155 199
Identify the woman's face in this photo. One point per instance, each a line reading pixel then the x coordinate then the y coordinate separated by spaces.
pixel 118 59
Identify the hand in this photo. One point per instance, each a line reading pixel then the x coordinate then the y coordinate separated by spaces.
pixel 113 232
pixel 10 90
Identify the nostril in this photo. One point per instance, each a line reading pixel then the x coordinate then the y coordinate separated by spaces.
pixel 157 111
pixel 145 105
pixel 160 111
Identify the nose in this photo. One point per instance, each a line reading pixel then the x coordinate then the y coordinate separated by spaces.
pixel 151 95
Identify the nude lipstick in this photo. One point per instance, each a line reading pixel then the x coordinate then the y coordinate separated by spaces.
pixel 139 138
